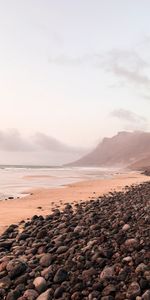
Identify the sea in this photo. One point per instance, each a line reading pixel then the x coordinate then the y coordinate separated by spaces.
pixel 18 181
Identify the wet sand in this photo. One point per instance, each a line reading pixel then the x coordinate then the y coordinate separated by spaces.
pixel 42 201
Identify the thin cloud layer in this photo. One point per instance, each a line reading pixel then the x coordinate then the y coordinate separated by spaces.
pixel 130 119
pixel 128 66
pixel 12 141
pixel 67 60
pixel 48 143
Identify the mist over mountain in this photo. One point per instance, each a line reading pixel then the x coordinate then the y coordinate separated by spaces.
pixel 121 150
pixel 39 149
pixel 125 149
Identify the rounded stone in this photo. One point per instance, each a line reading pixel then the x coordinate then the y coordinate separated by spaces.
pixel 141 268
pixel 133 290
pixel 146 295
pixel 30 294
pixel 107 272
pixel 144 283
pixel 108 290
pixel 13 295
pixel 78 229
pixel 87 274
pixel 40 284
pixel 58 292
pixel 126 227
pixel 127 259
pixel 60 276
pixel 61 249
pixel 5 283
pixel 16 268
pixel 46 260
pixel 131 243
pixel 76 296
pixel 48 295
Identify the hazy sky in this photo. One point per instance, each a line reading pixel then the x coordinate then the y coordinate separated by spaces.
pixel 75 70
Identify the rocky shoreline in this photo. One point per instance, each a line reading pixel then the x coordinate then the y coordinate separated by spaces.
pixel 100 250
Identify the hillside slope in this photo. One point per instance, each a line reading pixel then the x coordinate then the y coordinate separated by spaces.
pixel 123 149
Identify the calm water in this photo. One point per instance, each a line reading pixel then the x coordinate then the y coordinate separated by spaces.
pixel 17 181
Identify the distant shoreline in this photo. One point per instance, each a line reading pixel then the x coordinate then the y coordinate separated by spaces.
pixel 15 181
pixel 28 166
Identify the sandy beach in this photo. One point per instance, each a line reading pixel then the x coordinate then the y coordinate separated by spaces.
pixel 43 201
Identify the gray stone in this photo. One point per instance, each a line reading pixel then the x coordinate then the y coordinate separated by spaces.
pixel 46 260
pixel 60 276
pixel 133 290
pixel 141 268
pixel 15 268
pixel 5 283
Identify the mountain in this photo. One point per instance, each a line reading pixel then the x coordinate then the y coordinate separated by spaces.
pixel 141 164
pixel 123 149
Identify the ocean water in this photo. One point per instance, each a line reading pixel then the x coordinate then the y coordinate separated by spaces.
pixel 17 181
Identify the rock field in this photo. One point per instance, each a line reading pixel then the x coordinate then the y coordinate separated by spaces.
pixel 99 250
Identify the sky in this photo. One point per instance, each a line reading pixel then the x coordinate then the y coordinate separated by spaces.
pixel 73 70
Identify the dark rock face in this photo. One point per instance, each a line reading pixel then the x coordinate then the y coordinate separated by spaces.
pixel 99 250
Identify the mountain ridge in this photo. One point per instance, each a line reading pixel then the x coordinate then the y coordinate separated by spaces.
pixel 122 150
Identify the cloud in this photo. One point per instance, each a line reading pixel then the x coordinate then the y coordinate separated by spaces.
pixel 110 61
pixel 48 143
pixel 130 69
pixel 39 149
pixel 12 141
pixel 128 66
pixel 131 120
pixel 131 76
pixel 66 60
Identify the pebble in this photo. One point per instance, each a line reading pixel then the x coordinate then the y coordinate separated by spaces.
pixel 107 273
pixel 60 276
pixel 146 295
pixel 48 295
pixel 40 284
pixel 126 227
pixel 76 296
pixel 133 290
pixel 15 268
pixel 141 268
pixel 97 249
pixel 108 290
pixel 131 243
pixel 46 260
pixel 30 294
pixel 127 259
pixel 58 292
